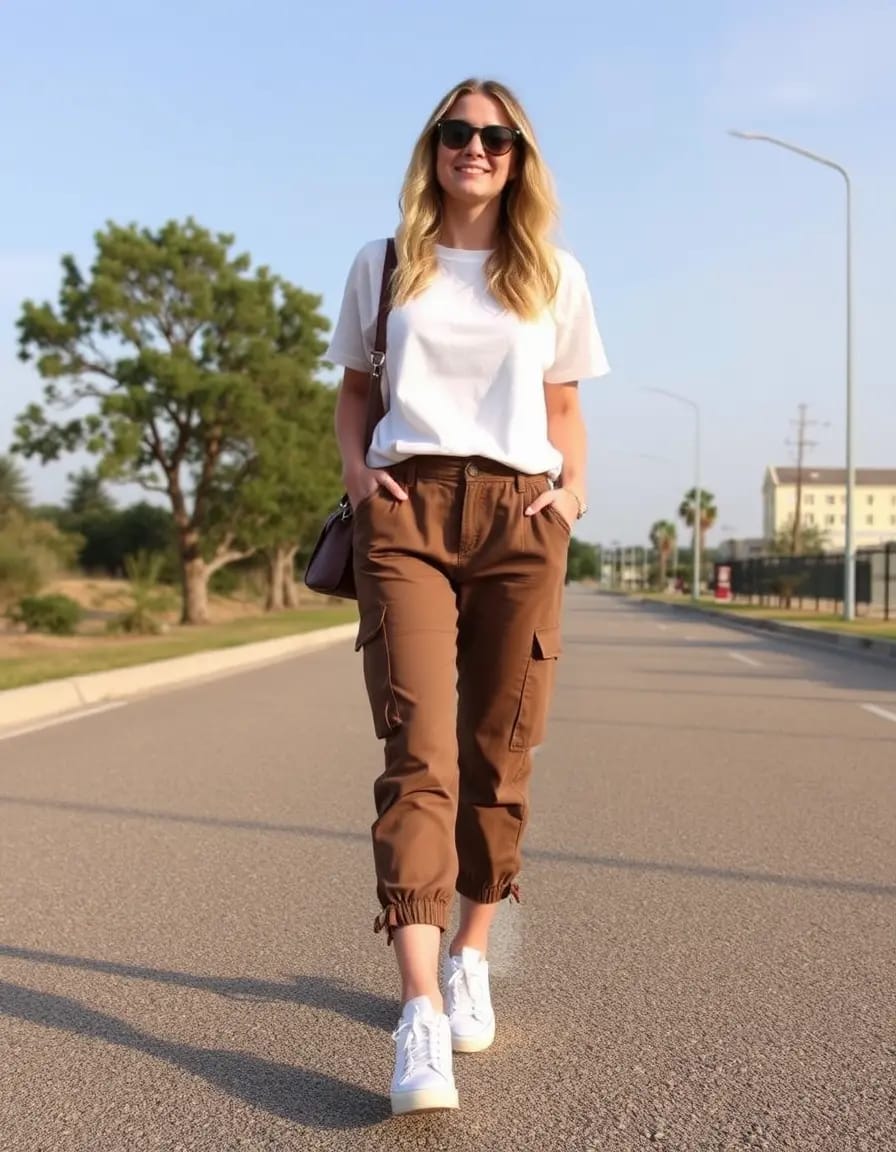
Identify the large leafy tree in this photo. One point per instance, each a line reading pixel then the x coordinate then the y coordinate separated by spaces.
pixel 170 361
pixel 662 537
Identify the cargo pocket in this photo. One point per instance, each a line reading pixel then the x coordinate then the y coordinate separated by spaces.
pixel 538 686
pixel 378 671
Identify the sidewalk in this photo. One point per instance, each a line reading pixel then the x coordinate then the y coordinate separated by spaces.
pixel 20 706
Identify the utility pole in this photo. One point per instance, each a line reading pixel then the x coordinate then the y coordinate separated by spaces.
pixel 802 425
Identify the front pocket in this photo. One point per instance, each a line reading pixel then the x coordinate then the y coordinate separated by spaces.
pixel 538 685
pixel 558 518
pixel 378 671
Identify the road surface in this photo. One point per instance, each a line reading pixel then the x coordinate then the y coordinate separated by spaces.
pixel 703 960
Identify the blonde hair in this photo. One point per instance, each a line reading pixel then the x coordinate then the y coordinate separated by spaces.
pixel 522 271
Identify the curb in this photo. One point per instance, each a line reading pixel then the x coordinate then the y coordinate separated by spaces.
pixel 56 697
pixel 880 650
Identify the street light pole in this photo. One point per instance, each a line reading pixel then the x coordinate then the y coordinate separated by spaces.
pixel 849 557
pixel 698 500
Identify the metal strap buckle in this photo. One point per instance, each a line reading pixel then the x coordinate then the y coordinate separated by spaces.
pixel 377 360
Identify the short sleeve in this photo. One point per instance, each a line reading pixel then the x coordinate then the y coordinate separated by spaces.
pixel 579 349
pixel 353 336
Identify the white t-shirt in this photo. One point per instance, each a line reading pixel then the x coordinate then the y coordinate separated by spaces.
pixel 463 376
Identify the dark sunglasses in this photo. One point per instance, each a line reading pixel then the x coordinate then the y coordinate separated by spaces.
pixel 496 139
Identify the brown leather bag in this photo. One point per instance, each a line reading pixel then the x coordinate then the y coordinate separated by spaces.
pixel 330 569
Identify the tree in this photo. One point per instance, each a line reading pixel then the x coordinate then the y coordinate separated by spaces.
pixel 181 355
pixel 581 563
pixel 14 493
pixel 288 486
pixel 662 537
pixel 708 511
pixel 808 539
pixel 87 496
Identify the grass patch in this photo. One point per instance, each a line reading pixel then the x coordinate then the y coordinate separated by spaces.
pixel 78 656
pixel 828 621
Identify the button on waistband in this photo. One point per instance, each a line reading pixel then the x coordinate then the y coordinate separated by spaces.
pixel 472 469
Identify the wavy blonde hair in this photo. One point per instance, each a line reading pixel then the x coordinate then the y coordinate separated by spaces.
pixel 522 271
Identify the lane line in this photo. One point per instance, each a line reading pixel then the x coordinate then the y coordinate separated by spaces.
pixel 745 659
pixel 68 718
pixel 884 713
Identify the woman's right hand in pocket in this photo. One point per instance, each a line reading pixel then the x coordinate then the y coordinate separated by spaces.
pixel 361 483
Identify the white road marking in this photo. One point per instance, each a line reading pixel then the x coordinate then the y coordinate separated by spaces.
pixel 68 718
pixel 878 711
pixel 663 627
pixel 745 659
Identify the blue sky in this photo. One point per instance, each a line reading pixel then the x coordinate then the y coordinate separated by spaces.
pixel 716 266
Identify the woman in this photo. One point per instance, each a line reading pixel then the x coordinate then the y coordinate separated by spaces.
pixel 463 507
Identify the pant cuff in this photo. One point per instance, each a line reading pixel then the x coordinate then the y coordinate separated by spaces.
pixel 401 914
pixel 488 895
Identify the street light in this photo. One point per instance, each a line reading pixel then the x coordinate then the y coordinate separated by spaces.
pixel 698 510
pixel 849 558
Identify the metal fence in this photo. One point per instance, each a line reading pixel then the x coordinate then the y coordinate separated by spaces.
pixel 802 580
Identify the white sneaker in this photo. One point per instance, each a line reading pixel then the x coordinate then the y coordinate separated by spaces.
pixel 468 1001
pixel 423 1078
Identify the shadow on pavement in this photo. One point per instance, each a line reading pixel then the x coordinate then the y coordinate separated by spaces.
pixel 549 855
pixel 313 991
pixel 296 1094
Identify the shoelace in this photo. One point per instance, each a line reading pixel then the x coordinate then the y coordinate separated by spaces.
pixel 421 1045
pixel 469 993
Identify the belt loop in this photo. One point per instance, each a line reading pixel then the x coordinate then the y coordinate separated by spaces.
pixel 520 481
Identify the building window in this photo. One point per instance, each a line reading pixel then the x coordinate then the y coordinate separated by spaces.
pixel 893 521
pixel 869 519
pixel 810 518
pixel 829 519
pixel 869 499
pixel 829 499
pixel 810 498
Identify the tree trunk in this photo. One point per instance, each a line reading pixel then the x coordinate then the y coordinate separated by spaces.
pixel 194 609
pixel 290 588
pixel 274 561
pixel 663 560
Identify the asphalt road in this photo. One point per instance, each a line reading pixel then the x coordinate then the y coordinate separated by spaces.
pixel 704 959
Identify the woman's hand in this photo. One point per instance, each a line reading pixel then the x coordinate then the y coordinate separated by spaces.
pixel 562 499
pixel 361 482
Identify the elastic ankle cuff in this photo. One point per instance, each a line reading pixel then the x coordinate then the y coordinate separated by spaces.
pixel 490 895
pixel 401 915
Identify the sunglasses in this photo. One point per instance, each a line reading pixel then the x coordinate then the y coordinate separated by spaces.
pixel 496 139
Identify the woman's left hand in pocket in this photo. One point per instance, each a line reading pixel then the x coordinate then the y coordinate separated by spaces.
pixel 563 500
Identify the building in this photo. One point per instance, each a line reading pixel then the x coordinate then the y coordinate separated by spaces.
pixel 823 503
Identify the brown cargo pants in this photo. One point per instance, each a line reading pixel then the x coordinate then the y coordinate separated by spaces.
pixel 460 597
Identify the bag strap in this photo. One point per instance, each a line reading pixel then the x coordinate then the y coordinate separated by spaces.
pixel 376 409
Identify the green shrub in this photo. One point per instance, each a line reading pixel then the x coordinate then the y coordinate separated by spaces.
pixel 58 615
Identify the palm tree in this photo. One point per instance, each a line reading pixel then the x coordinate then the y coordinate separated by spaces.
pixel 14 494
pixel 708 512
pixel 662 537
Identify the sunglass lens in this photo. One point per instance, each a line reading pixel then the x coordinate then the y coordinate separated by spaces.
pixel 496 139
pixel 455 134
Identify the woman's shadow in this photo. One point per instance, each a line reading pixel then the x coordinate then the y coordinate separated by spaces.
pixel 300 1095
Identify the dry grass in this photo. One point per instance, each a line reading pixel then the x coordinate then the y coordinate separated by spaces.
pixel 30 658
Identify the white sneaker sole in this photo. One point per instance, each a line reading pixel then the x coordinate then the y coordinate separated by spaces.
pixel 423 1100
pixel 474 1043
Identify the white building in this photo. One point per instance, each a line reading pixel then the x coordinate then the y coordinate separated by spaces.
pixel 823 503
